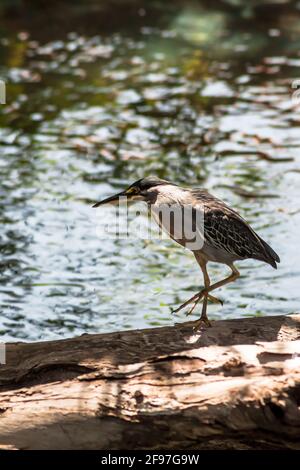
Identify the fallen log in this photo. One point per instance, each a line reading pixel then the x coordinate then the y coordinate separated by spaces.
pixel 233 386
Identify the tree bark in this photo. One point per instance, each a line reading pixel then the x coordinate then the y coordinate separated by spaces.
pixel 233 386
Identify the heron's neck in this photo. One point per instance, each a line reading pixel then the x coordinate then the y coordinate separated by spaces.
pixel 168 194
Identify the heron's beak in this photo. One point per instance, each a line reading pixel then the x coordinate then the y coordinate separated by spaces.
pixel 114 199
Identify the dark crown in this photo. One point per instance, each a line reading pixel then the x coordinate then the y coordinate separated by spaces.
pixel 150 182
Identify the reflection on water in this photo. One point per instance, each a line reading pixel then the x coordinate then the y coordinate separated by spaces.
pixel 196 96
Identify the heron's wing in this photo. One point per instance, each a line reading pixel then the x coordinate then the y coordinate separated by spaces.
pixel 185 224
pixel 225 229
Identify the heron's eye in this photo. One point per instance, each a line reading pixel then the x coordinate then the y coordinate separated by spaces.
pixel 132 191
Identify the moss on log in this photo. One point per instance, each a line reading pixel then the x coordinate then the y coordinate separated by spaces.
pixel 233 386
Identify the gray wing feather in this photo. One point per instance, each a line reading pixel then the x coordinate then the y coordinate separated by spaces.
pixel 225 229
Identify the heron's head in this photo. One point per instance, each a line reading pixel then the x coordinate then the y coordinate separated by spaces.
pixel 144 189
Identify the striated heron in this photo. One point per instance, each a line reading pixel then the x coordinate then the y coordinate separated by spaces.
pixel 225 237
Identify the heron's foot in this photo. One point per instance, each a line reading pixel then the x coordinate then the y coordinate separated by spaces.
pixel 215 300
pixel 194 299
pixel 203 322
pixel 190 311
pixel 210 297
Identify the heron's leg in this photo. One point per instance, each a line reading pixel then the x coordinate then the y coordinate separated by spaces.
pixel 205 292
pixel 233 276
pixel 197 297
pixel 206 286
pixel 203 319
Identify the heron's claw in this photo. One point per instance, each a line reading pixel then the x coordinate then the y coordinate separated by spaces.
pixel 210 297
pixel 215 300
pixel 190 311
pixel 203 322
pixel 196 298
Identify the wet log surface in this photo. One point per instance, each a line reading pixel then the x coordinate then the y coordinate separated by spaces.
pixel 233 386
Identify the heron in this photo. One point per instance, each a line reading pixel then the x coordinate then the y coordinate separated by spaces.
pixel 225 235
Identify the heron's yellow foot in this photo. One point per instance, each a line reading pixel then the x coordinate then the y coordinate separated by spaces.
pixel 202 322
pixel 215 300
pixel 190 311
pixel 210 297
pixel 196 298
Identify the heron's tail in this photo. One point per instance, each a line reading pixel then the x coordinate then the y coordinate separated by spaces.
pixel 271 257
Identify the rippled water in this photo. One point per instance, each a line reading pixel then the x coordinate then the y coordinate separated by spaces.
pixel 200 97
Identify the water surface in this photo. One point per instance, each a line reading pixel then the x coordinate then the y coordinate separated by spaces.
pixel 199 96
